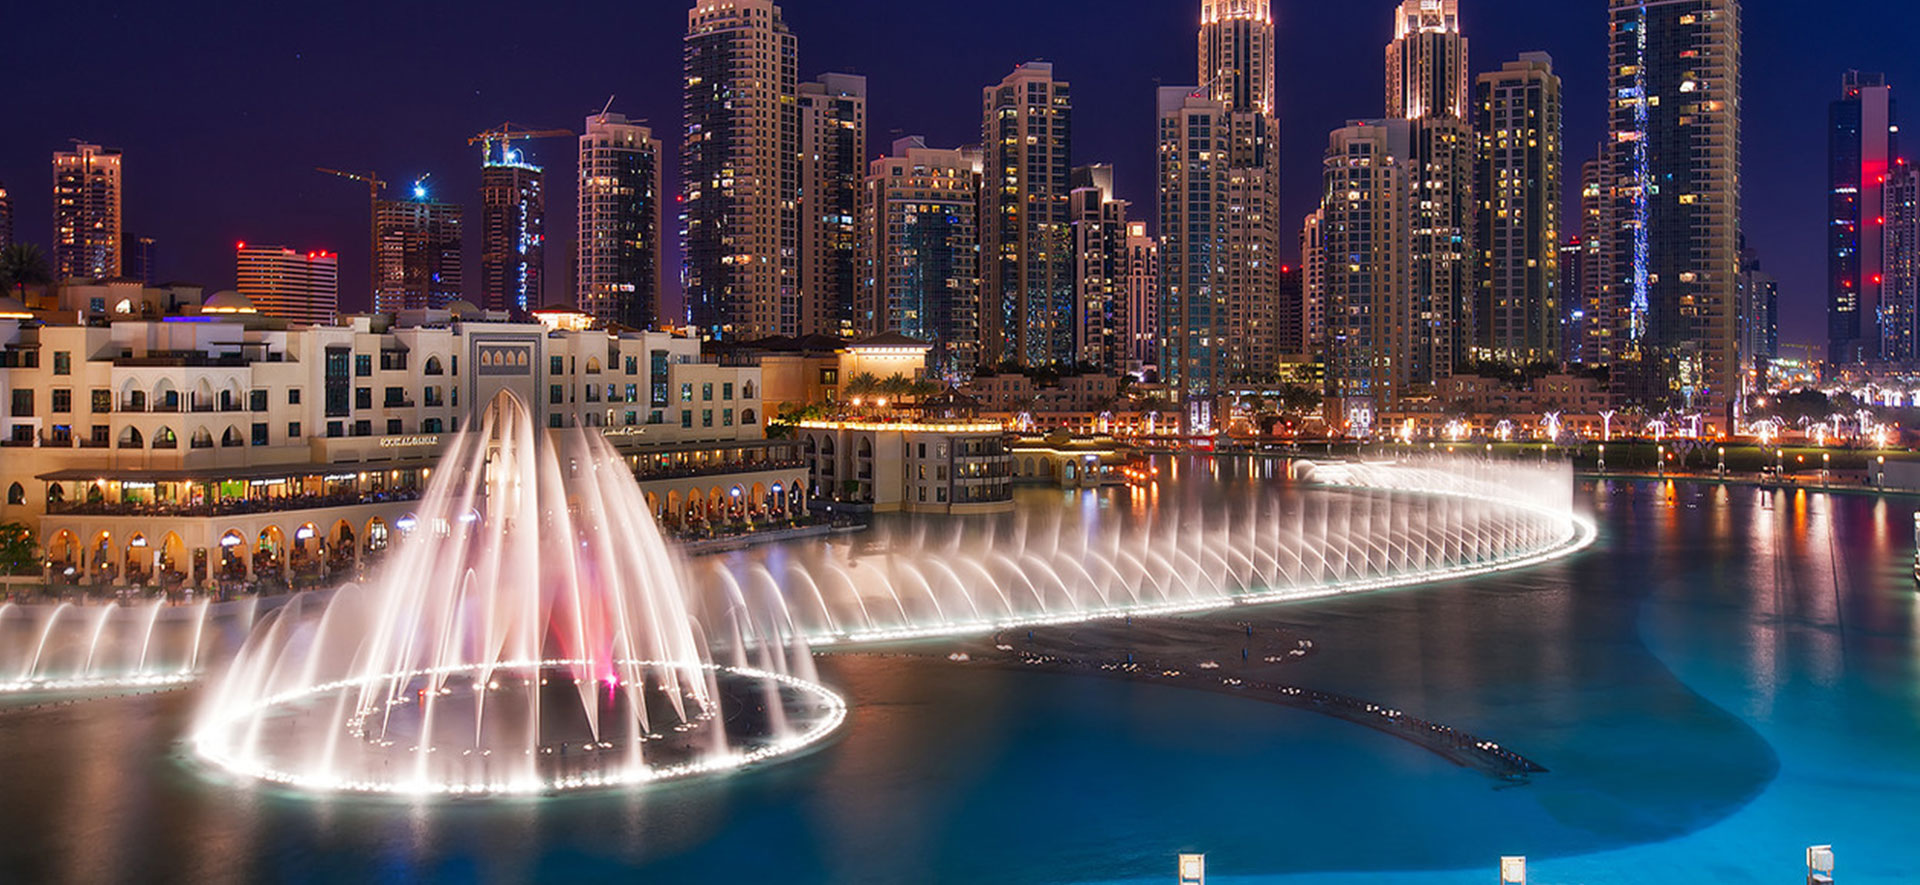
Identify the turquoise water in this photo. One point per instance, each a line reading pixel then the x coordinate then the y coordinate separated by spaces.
pixel 1728 677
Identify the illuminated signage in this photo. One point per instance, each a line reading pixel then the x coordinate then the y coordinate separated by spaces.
pixel 409 442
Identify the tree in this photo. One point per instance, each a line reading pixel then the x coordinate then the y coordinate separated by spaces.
pixel 863 384
pixel 23 265
pixel 19 555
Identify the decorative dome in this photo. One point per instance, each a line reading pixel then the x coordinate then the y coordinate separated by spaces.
pixel 11 308
pixel 227 301
pixel 463 309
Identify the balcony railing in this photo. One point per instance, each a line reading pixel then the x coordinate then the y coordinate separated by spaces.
pixel 227 508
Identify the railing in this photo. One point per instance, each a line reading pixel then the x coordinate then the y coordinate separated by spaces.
pixel 225 508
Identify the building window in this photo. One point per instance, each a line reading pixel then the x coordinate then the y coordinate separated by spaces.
pixel 706 417
pixel 633 393
pixel 633 365
pixel 337 385
pixel 335 429
pixel 101 435
pixel 431 425
pixel 362 365
pixel 260 433
pixel 553 421
pixel 293 396
pixel 686 392
pixel 62 400
pixel 62 363
pixel 726 390
pixel 726 417
pixel 556 365
pixel 656 417
pixel 555 395
pixel 706 392
pixel 393 426
pixel 102 400
pixel 256 400
pixel 686 418
pixel 363 427
pixel 396 397
pixel 363 397
pixel 293 430
pixel 23 404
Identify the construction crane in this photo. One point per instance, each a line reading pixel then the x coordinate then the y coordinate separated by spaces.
pixel 374 185
pixel 506 134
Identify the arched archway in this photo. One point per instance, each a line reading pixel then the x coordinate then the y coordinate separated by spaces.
pixel 166 397
pixel 56 493
pixel 139 559
pixel 231 397
pixel 202 397
pixel 63 555
pixel 377 538
pixel 164 438
pixel 340 546
pixel 173 551
pixel 270 553
pixel 201 439
pixel 130 438
pixel 748 417
pixel 100 559
pixel 759 503
pixel 16 494
pixel 232 438
pixel 304 556
pixel 233 556
pixel 434 367
pixel 132 397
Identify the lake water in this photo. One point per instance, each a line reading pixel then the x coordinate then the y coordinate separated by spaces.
pixel 1727 677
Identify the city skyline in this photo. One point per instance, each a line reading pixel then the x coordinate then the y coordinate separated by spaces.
pixel 367 123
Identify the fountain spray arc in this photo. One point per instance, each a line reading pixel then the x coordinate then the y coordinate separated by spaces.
pixel 535 637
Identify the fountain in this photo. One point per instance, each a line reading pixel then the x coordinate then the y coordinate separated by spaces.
pixel 66 647
pixel 538 637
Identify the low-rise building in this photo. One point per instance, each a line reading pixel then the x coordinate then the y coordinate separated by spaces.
pixel 917 466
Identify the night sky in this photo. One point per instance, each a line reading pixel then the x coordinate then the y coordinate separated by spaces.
pixel 224 108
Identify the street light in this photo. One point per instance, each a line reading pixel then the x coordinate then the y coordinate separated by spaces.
pixel 1723 461
pixel 1603 458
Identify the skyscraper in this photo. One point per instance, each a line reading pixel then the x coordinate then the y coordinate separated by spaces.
pixel 1759 318
pixel 739 165
pixel 86 212
pixel 1574 319
pixel 919 254
pixel 1598 297
pixel 1100 269
pixel 1861 127
pixel 1673 200
pixel 1219 212
pixel 618 265
pixel 302 287
pixel 513 212
pixel 1143 299
pixel 1900 293
pixel 418 265
pixel 6 217
pixel 1427 84
pixel 833 168
pixel 1026 247
pixel 1365 230
pixel 1313 287
pixel 1517 188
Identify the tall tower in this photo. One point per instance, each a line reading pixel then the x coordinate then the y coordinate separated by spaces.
pixel 1673 200
pixel 86 212
pixel 1236 53
pixel 919 251
pixel 1604 312
pixel 1143 299
pixel 1861 129
pixel 302 287
pixel 618 265
pixel 1313 286
pixel 1427 84
pixel 833 168
pixel 418 264
pixel 513 258
pixel 739 165
pixel 1365 226
pixel 1517 189
pixel 139 258
pixel 1100 270
pixel 1900 293
pixel 1025 245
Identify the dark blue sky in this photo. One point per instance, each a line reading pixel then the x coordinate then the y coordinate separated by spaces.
pixel 224 108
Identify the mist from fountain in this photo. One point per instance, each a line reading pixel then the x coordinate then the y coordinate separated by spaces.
pixel 535 636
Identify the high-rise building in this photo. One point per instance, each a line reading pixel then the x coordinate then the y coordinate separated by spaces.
pixel 1143 300
pixel 1290 313
pixel 1313 287
pixel 1574 319
pixel 1100 270
pixel 1026 247
pixel 1597 296
pixel 1759 320
pixel 617 262
pixel 1365 232
pixel 1427 84
pixel 513 214
pixel 833 169
pixel 1673 201
pixel 1861 136
pixel 1900 293
pixel 1517 312
pixel 302 287
pixel 739 168
pixel 419 261
pixel 1219 212
pixel 138 257
pixel 919 252
pixel 86 212
pixel 6 217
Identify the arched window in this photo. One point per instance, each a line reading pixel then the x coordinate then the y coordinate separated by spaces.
pixel 16 494
pixel 593 365
pixel 164 439
pixel 56 493
pixel 130 438
pixel 433 366
pixel 201 439
pixel 232 437
pixel 746 391
pixel 748 417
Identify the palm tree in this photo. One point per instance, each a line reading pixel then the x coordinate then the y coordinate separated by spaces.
pixel 23 265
